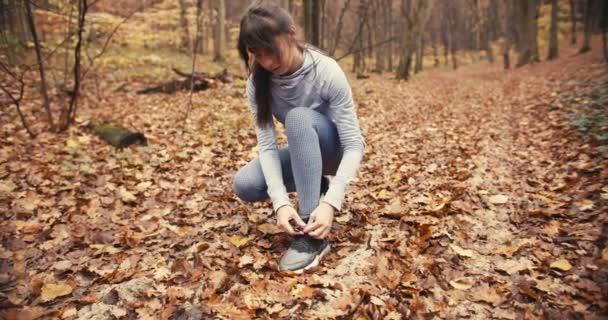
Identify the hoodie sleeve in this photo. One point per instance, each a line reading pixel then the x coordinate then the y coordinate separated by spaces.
pixel 342 107
pixel 269 156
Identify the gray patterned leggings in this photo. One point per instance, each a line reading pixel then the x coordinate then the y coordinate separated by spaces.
pixel 313 150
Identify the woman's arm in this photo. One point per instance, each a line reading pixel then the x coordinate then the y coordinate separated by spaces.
pixel 342 107
pixel 269 156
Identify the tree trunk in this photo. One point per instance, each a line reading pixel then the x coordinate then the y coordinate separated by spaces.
pixel 43 90
pixel 573 20
pixel 200 26
pixel 604 27
pixel 322 10
pixel 380 36
pixel 183 24
pixel 587 36
pixel 220 41
pixel 452 24
pixel 336 42
pixel 490 29
pixel 506 34
pixel 389 18
pixel 315 20
pixel 526 12
pixel 419 53
pixel 69 114
pixel 359 58
pixel 553 45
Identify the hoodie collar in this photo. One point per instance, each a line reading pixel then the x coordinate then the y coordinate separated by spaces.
pixel 307 65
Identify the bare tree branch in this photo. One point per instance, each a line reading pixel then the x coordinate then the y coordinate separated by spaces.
pixel 69 114
pixel 43 91
pixel 365 48
pixel 17 101
pixel 199 11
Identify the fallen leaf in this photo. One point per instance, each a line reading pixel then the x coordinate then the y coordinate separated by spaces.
pixel 514 266
pixel 585 205
pixel 238 241
pixel 462 252
pixel 269 228
pixel 245 260
pixel 605 254
pixel 561 264
pixel 384 194
pixel 461 283
pixel 125 195
pixel 498 199
pixel 50 291
pixel 486 294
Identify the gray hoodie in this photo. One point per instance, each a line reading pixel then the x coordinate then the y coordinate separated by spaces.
pixel 319 84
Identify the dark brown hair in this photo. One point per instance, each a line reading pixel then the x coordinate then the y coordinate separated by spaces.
pixel 259 26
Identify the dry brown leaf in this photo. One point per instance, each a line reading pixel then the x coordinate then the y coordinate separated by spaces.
pixel 269 228
pixel 462 252
pixel 498 199
pixel 585 205
pixel 486 294
pixel 461 283
pixel 50 291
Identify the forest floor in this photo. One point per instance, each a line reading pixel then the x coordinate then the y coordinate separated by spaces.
pixel 483 194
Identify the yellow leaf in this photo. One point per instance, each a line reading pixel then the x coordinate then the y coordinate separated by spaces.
pixel 558 186
pixel 125 195
pixel 72 143
pixel 461 283
pixel 498 199
pixel 384 194
pixel 343 218
pixel 561 264
pixel 605 254
pixel 269 228
pixel 238 241
pixel 51 291
pixel 585 205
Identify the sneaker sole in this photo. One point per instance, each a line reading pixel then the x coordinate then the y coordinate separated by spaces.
pixel 314 263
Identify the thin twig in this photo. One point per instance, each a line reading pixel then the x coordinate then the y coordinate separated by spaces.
pixel 17 101
pixel 109 38
pixel 199 6
pixel 365 48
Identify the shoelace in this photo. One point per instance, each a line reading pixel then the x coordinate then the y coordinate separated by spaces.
pixel 304 244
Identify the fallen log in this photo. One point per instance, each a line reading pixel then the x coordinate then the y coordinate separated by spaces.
pixel 202 81
pixel 119 136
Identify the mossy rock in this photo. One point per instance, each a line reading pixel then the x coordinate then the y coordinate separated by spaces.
pixel 118 136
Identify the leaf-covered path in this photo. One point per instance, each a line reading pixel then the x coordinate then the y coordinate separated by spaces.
pixel 476 199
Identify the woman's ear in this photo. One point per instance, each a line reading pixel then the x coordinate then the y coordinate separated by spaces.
pixel 292 30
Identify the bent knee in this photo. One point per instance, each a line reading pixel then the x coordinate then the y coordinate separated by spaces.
pixel 298 117
pixel 246 190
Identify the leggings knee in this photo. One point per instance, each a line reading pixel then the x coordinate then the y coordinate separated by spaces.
pixel 245 190
pixel 297 119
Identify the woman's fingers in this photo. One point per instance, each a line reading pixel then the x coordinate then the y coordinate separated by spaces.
pixel 299 221
pixel 319 232
pixel 312 226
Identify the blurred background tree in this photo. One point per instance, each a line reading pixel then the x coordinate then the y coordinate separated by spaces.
pixel 116 45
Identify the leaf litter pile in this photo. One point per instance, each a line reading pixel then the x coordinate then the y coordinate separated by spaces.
pixel 482 194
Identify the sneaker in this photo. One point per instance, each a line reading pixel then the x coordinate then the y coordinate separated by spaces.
pixel 304 253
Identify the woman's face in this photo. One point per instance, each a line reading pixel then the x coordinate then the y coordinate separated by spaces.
pixel 281 64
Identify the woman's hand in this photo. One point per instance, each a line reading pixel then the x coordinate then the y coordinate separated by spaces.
pixel 319 224
pixel 284 215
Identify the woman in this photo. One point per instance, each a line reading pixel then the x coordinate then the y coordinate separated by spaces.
pixel 308 93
